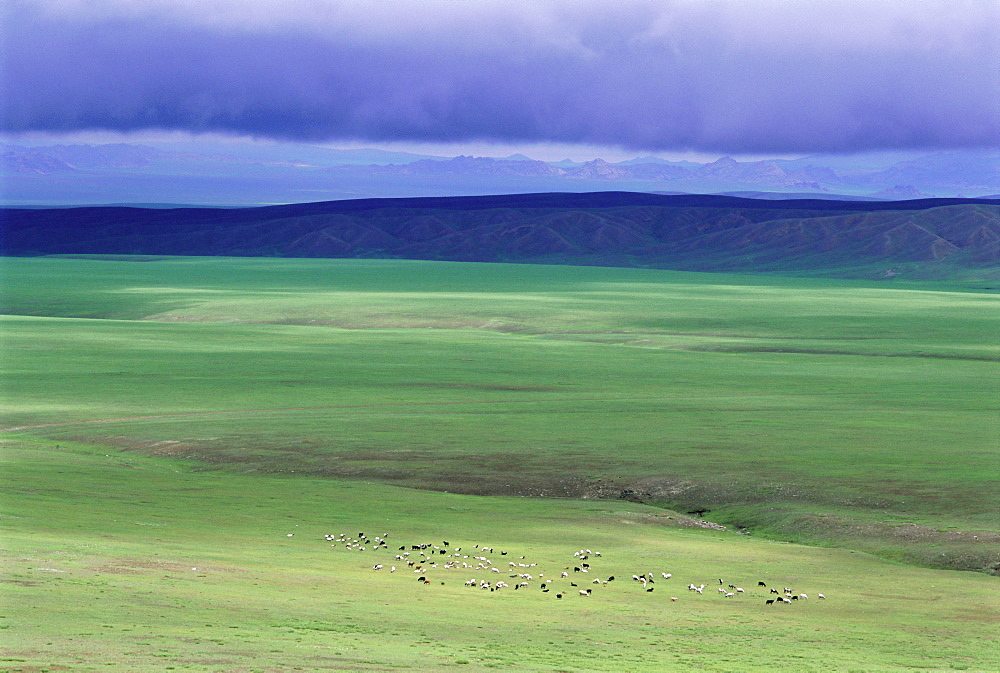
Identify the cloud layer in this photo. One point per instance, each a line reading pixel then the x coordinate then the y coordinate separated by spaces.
pixel 703 75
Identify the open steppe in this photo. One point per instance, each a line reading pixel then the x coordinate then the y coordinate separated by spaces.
pixel 168 422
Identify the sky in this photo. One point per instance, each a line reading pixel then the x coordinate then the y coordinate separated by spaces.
pixel 677 78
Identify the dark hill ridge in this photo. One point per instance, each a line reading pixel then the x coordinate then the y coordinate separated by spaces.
pixel 697 232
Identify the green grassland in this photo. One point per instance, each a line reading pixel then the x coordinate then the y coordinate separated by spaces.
pixel 119 562
pixel 163 414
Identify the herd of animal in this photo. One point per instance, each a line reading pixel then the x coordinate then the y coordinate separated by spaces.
pixel 488 569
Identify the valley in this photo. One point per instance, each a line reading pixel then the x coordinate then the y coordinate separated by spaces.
pixel 180 435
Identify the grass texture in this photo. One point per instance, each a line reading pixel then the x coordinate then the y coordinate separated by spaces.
pixel 165 414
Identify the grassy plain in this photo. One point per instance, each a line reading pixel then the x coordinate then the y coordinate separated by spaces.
pixel 116 562
pixel 168 414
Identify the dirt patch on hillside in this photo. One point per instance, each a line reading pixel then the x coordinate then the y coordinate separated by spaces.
pixel 137 566
pixel 978 616
pixel 473 386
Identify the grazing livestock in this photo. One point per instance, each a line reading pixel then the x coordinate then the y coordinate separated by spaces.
pixel 483 564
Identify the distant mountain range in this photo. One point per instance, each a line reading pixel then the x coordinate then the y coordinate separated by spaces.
pixel 235 173
pixel 692 232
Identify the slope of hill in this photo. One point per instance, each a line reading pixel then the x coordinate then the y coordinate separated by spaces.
pixel 709 233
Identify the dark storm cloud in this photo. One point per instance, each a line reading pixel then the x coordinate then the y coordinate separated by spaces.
pixel 714 76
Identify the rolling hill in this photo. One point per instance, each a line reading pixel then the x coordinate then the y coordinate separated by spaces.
pixel 691 232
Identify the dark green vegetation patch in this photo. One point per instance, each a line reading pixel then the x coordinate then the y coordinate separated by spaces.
pixel 928 238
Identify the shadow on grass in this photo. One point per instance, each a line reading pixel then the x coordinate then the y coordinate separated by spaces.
pixel 791 513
